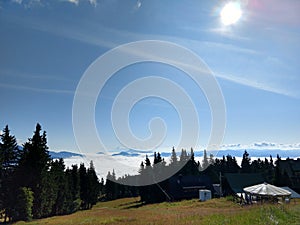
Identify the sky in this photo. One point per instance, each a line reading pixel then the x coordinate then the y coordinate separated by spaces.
pixel 46 47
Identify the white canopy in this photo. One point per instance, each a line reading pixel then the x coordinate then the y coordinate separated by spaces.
pixel 266 189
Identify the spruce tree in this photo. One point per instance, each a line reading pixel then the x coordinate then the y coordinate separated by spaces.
pixel 174 157
pixel 9 151
pixel 205 160
pixel 24 203
pixel 183 156
pixel 246 163
pixel 147 162
pixel 73 201
pixel 93 186
pixel 9 156
pixel 33 172
pixel 83 186
pixel 60 187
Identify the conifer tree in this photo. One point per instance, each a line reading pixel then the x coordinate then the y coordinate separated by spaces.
pixel 142 167
pixel 60 187
pixel 24 203
pixel 9 151
pixel 9 156
pixel 183 156
pixel 192 155
pixel 246 163
pixel 205 160
pixel 73 186
pixel 33 172
pixel 147 162
pixel 83 186
pixel 93 185
pixel 174 157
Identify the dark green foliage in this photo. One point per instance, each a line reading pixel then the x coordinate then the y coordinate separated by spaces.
pixel 60 187
pixel 33 173
pixel 73 200
pixel 34 186
pixel 111 186
pixel 9 151
pixel 9 156
pixel 23 205
pixel 246 163
pixel 93 185
pixel 89 186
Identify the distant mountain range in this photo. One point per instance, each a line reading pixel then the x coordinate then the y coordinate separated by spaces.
pixel 258 153
pixel 63 154
pixel 58 155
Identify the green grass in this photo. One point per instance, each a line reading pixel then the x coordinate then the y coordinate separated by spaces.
pixel 215 211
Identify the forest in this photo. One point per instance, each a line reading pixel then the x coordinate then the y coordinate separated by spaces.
pixel 32 185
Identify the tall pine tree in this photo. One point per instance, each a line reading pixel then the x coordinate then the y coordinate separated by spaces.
pixel 33 169
pixel 9 156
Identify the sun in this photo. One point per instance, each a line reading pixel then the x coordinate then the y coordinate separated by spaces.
pixel 231 13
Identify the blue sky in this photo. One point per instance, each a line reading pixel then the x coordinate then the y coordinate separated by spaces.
pixel 46 46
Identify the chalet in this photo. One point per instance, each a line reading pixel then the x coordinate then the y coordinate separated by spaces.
pixel 187 187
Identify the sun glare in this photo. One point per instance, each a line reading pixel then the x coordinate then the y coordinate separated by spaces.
pixel 231 13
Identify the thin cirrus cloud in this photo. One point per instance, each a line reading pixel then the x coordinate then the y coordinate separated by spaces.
pixel 31 3
pixel 23 75
pixel 41 90
pixel 77 2
pixel 257 85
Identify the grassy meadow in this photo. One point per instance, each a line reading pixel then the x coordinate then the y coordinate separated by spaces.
pixel 215 211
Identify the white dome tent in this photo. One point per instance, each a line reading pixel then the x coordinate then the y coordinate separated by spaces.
pixel 267 191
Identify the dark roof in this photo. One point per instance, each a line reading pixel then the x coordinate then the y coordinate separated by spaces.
pixel 238 181
pixel 290 166
pixel 295 164
pixel 294 193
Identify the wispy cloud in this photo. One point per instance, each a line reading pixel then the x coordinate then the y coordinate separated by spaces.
pixel 76 2
pixel 255 84
pixel 21 74
pixel 228 33
pixel 17 1
pixel 43 90
pixel 231 47
pixel 31 3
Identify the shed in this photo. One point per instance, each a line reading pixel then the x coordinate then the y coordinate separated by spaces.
pixel 204 195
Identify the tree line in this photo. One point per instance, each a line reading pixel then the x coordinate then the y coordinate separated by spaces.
pixel 186 165
pixel 32 185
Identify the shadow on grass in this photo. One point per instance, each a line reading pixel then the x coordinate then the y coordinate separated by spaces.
pixel 135 206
